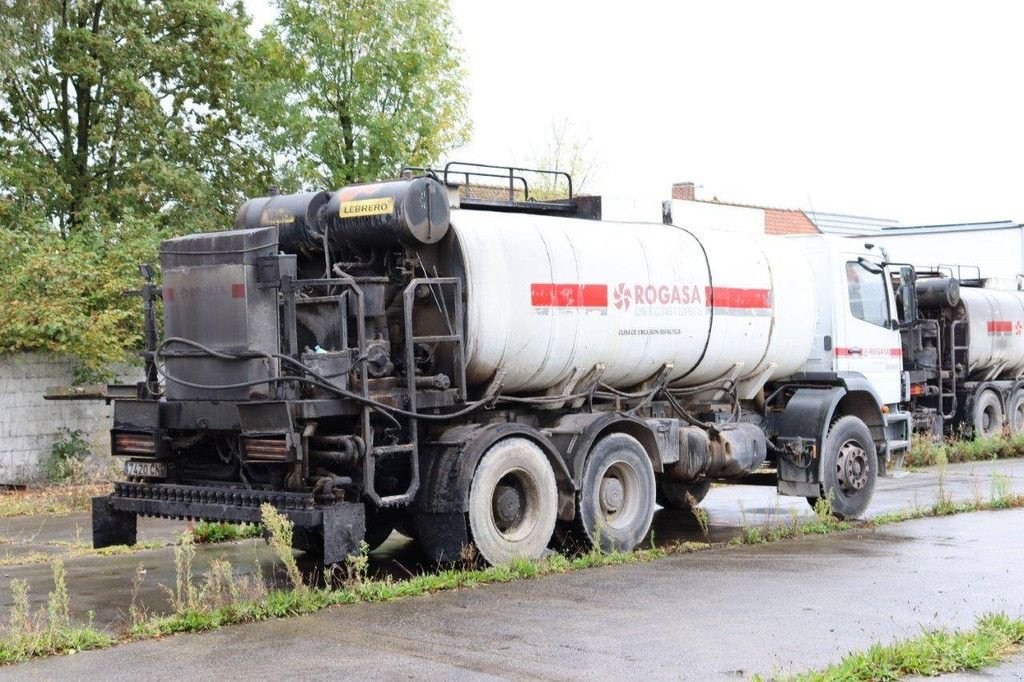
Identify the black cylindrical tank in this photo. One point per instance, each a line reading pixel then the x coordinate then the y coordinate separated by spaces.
pixel 937 292
pixel 296 216
pixel 410 211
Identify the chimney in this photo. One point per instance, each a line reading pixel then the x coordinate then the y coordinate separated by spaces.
pixel 683 191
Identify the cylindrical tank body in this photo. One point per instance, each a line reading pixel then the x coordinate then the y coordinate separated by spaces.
pixel 938 292
pixel 412 212
pixel 551 297
pixel 296 216
pixel 995 344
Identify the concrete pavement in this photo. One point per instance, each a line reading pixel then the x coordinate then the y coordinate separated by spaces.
pixel 720 614
pixel 102 585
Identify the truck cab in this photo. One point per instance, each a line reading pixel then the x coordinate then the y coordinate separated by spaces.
pixel 857 330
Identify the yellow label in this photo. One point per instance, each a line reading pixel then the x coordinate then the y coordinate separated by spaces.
pixel 364 207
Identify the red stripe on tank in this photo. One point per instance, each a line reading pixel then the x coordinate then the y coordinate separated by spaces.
pixel 545 295
pixel 732 297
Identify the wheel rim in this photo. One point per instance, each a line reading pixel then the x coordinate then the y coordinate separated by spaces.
pixel 515 505
pixel 989 420
pixel 852 467
pixel 618 495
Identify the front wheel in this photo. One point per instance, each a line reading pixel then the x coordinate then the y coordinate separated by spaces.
pixel 849 468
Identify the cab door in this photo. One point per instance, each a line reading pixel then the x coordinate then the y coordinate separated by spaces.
pixel 868 338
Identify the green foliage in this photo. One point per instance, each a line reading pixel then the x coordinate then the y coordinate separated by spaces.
pixel 932 653
pixel 66 295
pixel 108 106
pixel 927 451
pixel 210 531
pixel 67 456
pixel 352 91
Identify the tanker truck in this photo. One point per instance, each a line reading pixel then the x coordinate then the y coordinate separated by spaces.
pixel 963 351
pixel 509 374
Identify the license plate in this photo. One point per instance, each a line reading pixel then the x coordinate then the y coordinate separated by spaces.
pixel 145 469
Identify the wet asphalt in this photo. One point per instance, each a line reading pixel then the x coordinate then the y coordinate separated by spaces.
pixel 719 613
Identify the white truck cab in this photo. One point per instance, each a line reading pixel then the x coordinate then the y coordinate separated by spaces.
pixel 857 336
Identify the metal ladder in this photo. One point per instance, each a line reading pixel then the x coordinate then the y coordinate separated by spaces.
pixel 454 338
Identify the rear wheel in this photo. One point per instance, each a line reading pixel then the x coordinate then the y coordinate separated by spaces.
pixel 513 502
pixel 987 415
pixel 849 468
pixel 1015 412
pixel 616 499
pixel 672 495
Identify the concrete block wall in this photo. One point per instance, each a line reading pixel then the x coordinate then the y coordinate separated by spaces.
pixel 29 424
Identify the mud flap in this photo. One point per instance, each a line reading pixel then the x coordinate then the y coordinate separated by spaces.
pixel 442 536
pixel 111 527
pixel 344 529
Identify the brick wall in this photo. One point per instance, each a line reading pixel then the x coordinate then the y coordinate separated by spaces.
pixel 683 191
pixel 29 424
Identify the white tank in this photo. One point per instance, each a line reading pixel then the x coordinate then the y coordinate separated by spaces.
pixel 995 345
pixel 549 297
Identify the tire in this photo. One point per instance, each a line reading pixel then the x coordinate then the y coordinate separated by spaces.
pixel 513 502
pixel 617 494
pixel 1015 412
pixel 672 495
pixel 849 468
pixel 987 415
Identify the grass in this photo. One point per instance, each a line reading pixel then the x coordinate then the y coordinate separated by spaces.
pixel 52 500
pixel 219 597
pixel 75 550
pixel 48 631
pixel 927 451
pixel 211 532
pixel 993 638
pixel 775 529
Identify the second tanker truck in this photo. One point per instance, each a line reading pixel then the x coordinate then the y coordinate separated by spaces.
pixel 514 373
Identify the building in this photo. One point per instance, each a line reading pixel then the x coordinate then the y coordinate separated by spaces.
pixel 686 209
pixel 844 225
pixel 993 251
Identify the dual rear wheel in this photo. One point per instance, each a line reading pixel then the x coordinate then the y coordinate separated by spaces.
pixel 513 500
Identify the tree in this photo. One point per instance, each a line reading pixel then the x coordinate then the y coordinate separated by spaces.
pixel 356 89
pixel 566 149
pixel 108 106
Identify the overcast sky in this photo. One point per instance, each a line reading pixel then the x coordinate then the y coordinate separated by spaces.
pixel 906 110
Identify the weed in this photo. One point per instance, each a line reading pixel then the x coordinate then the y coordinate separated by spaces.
pixel 136 612
pixel 469 555
pixel 357 565
pixel 931 653
pixel 51 500
pixel 58 603
pixel 701 516
pixel 927 451
pixel 1002 493
pixel 184 597
pixel 50 632
pixel 280 530
pixel 67 457
pixel 210 532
